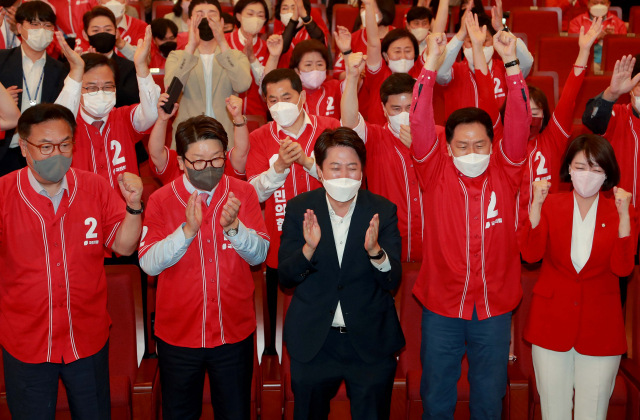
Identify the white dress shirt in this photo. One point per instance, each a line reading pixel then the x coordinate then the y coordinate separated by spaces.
pixel 445 72
pixel 361 129
pixel 207 65
pixel 582 234
pixel 340 227
pixel 32 72
pixel 269 181
pixel 144 117
pixel 56 199
pixel 248 244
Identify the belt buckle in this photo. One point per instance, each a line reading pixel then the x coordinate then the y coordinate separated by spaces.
pixel 343 330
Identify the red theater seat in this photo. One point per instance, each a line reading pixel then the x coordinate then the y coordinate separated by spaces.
pixel 159 8
pixel 343 15
pixel 558 53
pixel 139 7
pixel 547 81
pixel 401 14
pixel 509 5
pixel 615 46
pixel 535 22
pixel 591 87
pixel 634 20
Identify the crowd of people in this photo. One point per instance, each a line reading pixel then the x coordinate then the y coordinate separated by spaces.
pixel 349 167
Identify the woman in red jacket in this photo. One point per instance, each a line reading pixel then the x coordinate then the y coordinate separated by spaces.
pixel 586 241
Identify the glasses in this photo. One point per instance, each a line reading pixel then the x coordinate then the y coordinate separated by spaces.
pixel 48 148
pixel 199 165
pixel 46 25
pixel 93 90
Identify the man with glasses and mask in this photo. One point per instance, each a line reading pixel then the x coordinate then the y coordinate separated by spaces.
pixel 280 164
pixel 55 222
pixel 202 233
pixel 30 75
pixel 208 68
pixel 106 136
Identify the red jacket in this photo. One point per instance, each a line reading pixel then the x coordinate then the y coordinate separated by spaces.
pixel 578 310
pixel 584 19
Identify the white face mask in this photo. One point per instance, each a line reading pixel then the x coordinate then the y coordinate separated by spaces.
pixel 252 25
pixel 100 104
pixel 598 10
pixel 362 17
pixel 313 79
pixel 285 113
pixel 116 7
pixel 587 183
pixel 342 189
pixel 471 165
pixel 420 33
pixel 488 53
pixel 285 18
pixel 395 121
pixel 39 39
pixel 400 66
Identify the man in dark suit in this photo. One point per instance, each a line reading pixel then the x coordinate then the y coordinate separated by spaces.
pixel 44 75
pixel 340 249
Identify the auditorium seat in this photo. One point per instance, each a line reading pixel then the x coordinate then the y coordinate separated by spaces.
pixel 623 402
pixel 255 121
pixel 343 15
pixel 138 6
pixel 558 53
pixel 592 86
pixel 509 5
pixel 535 22
pixel 634 20
pixel 615 46
pixel 159 8
pixel 547 81
pixel 401 14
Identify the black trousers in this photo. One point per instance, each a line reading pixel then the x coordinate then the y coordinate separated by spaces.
pixel 12 160
pixel 182 371
pixel 369 386
pixel 32 388
pixel 272 305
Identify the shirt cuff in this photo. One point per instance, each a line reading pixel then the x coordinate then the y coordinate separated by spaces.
pixel 384 266
pixel 145 81
pixel 515 81
pixel 373 69
pixel 274 177
pixel 239 238
pixel 178 238
pixel 313 171
pixel 72 85
pixel 361 128
pixel 129 51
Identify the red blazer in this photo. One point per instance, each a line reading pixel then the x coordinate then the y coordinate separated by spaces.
pixel 570 309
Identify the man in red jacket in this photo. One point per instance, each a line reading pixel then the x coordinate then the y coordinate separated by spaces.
pixel 470 279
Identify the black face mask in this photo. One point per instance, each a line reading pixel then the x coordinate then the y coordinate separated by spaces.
pixel 206 34
pixel 167 47
pixel 102 42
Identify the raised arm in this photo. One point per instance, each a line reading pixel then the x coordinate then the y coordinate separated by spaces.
pixel 9 112
pixel 423 125
pixel 71 93
pixel 275 45
pixel 146 113
pixel 439 24
pixel 374 46
pixel 445 64
pixel 533 243
pixel 517 118
pixel 349 108
pixel 157 150
pixel 240 134
pixel 484 79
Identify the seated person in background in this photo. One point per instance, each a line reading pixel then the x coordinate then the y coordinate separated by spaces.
pixel 106 136
pixel 164 34
pixel 458 78
pixel 586 241
pixel 130 30
pixel 310 60
pixel 389 169
pixel 230 22
pixel 9 37
pixel 385 13
pixel 611 24
pixel 252 15
pixel 50 213
pixel 549 134
pixel 618 123
pixel 30 75
pixel 296 21
pixel 204 326
pixel 419 23
pixel 100 32
pixel 165 162
pixel 208 68
pixel 180 15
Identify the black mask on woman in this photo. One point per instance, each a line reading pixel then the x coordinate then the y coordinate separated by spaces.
pixel 167 47
pixel 103 42
pixel 206 34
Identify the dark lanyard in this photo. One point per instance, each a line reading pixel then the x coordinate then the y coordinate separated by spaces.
pixel 32 102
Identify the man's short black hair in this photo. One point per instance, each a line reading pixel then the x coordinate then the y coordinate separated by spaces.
pixel 33 10
pixel 194 3
pixel 240 5
pixel 307 46
pixel 93 60
pixel 468 116
pixel 159 28
pixel 419 13
pixel 42 113
pixel 387 10
pixel 397 34
pixel 227 18
pixel 94 13
pixel 177 8
pixel 596 149
pixel 485 20
pixel 396 84
pixel 279 75
pixel 199 128
pixel 306 3
pixel 340 137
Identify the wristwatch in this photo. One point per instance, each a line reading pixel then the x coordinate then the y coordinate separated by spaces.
pixel 511 63
pixel 231 232
pixel 378 256
pixel 242 124
pixel 506 29
pixel 135 212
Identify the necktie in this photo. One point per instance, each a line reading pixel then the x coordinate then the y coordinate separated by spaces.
pixel 98 124
pixel 204 197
